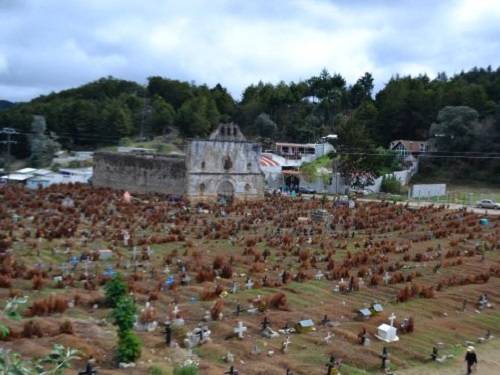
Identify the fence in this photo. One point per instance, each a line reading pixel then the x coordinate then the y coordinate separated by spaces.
pixel 458 197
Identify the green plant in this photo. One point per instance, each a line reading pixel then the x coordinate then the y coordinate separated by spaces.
pixel 154 370
pixel 186 369
pixel 390 184
pixel 115 289
pixel 124 313
pixel 54 363
pixel 129 346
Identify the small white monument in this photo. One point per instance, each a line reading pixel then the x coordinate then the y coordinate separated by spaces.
pixel 387 333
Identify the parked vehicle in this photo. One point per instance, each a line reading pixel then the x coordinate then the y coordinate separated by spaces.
pixel 304 190
pixel 488 203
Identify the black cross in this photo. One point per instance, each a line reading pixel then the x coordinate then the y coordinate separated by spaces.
pixel 231 371
pixel 384 356
pixel 88 370
pixel 289 372
pixel 238 309
pixel 168 334
pixel 330 365
pixel 434 354
pixel 325 320
pixel 265 323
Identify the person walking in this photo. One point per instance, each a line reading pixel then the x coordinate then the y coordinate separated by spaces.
pixel 471 359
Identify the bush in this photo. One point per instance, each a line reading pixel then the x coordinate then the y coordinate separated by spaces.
pixel 390 184
pixel 115 289
pixel 124 313
pixel 186 370
pixel 129 346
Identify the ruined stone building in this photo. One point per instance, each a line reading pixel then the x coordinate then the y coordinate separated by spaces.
pixel 225 166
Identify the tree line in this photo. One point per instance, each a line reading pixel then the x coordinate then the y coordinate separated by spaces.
pixel 102 112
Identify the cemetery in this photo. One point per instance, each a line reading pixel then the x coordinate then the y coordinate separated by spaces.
pixel 246 288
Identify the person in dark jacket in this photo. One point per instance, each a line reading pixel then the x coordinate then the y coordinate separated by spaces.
pixel 471 359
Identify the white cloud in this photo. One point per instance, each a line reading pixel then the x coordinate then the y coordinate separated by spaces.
pixel 52 45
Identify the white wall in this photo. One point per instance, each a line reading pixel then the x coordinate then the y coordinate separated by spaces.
pixel 428 190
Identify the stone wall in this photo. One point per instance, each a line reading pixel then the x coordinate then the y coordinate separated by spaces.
pixel 207 165
pixel 140 173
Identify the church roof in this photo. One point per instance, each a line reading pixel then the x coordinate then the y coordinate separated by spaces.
pixel 227 132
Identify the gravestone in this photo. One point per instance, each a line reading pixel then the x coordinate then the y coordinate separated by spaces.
pixel 240 330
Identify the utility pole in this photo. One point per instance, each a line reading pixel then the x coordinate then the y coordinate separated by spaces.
pixel 8 132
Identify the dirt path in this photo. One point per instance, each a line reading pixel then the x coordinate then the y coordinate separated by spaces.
pixel 489 363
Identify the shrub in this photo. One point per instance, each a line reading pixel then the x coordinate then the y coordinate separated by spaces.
pixel 66 327
pixel 129 346
pixel 390 184
pixel 115 289
pixel 186 370
pixel 124 313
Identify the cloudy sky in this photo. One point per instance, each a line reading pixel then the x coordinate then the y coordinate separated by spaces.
pixel 49 45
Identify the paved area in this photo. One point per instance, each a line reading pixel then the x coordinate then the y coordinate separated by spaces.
pixel 489 363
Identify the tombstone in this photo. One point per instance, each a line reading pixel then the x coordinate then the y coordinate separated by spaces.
pixel 434 354
pixel 387 333
pixel 109 272
pixel 249 284
pixel 231 371
pixel 169 282
pixel 126 238
pixel 288 372
pixel 186 279
pixel 328 338
pixel 229 357
pixel 385 358
pixel 105 254
pixel 364 313
pixel 387 278
pixel 319 275
pixel 377 308
pixel 285 344
pixel 265 323
pixel 238 310
pixel 256 350
pixel 234 287
pixel 88 370
pixel 240 330
pixel 197 336
pixel 67 202
pixel 74 261
pixel 305 326
pixel 269 333
pixel 331 366
pixel 168 333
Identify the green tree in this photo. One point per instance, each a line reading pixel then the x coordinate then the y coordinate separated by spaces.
pixel 115 289
pixel 265 126
pixel 129 346
pixel 124 313
pixel 163 115
pixel 454 129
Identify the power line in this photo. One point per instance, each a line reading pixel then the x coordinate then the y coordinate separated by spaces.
pixel 423 155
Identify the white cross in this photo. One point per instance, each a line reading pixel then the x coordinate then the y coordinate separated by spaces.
pixel 240 330
pixel 387 278
pixel 392 318
pixel 285 344
pixel 249 284
pixel 328 338
pixel 134 253
pixel 175 311
pixel 319 275
pixel 126 237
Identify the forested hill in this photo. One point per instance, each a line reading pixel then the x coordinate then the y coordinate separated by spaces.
pixel 5 104
pixel 108 109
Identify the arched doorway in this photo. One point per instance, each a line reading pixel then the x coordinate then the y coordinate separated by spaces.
pixel 225 192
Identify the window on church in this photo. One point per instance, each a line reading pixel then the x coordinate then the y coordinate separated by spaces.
pixel 202 188
pixel 203 165
pixel 249 166
pixel 247 187
pixel 227 163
